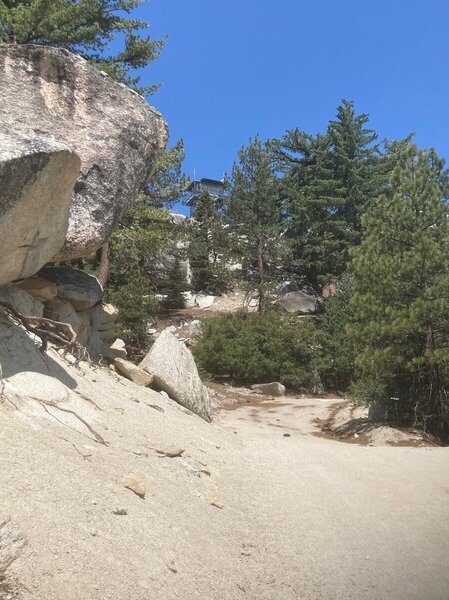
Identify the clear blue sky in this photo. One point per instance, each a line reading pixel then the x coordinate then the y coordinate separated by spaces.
pixel 235 68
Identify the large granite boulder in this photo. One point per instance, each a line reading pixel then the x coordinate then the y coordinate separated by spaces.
pixel 37 175
pixel 174 371
pixel 81 290
pixel 298 302
pixel 117 135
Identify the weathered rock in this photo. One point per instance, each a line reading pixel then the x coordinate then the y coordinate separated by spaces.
pixel 39 288
pixel 12 543
pixel 190 299
pixel 269 389
pixel 103 316
pixel 135 483
pixel 82 290
pixel 298 302
pixel 317 387
pixel 60 310
pixel 21 301
pixel 85 330
pixel 376 411
pixel 133 372
pixel 204 301
pixel 174 371
pixel 114 131
pixel 115 350
pixel 37 176
pixel 26 371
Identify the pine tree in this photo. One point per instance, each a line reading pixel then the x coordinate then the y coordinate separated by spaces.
pixel 401 295
pixel 85 27
pixel 329 179
pixel 208 241
pixel 176 286
pixel 255 213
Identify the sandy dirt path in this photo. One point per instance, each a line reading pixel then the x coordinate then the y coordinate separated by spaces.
pixel 333 520
pixel 258 507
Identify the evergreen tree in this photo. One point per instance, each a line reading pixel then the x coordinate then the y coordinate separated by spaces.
pixel 176 286
pixel 142 234
pixel 336 356
pixel 86 27
pixel 254 210
pixel 208 240
pixel 167 182
pixel 329 179
pixel 401 295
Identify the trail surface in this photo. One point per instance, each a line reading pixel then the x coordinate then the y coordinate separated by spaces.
pixel 257 506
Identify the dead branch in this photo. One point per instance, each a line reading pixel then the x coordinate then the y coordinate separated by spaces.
pixel 85 456
pixel 97 437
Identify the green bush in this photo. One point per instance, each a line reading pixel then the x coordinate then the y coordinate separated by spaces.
pixel 254 348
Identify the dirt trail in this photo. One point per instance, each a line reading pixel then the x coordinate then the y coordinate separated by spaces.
pixel 257 507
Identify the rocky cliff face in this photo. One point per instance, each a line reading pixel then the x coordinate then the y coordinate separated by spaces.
pixel 51 93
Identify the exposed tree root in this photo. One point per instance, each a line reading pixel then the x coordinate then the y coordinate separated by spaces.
pixel 44 403
pixel 48 330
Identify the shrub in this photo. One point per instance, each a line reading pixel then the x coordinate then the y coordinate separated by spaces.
pixel 254 348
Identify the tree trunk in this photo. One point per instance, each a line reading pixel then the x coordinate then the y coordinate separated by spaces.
pixel 261 268
pixel 103 274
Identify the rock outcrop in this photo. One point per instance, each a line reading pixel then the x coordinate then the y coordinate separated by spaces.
pixel 174 371
pixel 37 175
pixel 12 543
pixel 51 92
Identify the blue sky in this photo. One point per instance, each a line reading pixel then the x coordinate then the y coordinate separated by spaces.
pixel 235 68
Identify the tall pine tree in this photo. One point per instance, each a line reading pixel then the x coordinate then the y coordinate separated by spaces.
pixel 401 293
pixel 329 179
pixel 255 214
pixel 208 245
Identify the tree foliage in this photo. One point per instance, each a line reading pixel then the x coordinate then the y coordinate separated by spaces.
pixel 256 348
pixel 86 27
pixel 142 235
pixel 328 181
pixel 255 213
pixel 401 292
pixel 175 286
pixel 336 355
pixel 208 247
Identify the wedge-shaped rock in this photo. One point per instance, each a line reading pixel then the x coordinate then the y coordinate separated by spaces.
pixel 114 131
pixel 37 176
pixel 174 371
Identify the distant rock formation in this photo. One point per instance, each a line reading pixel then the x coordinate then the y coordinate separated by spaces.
pixel 51 93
